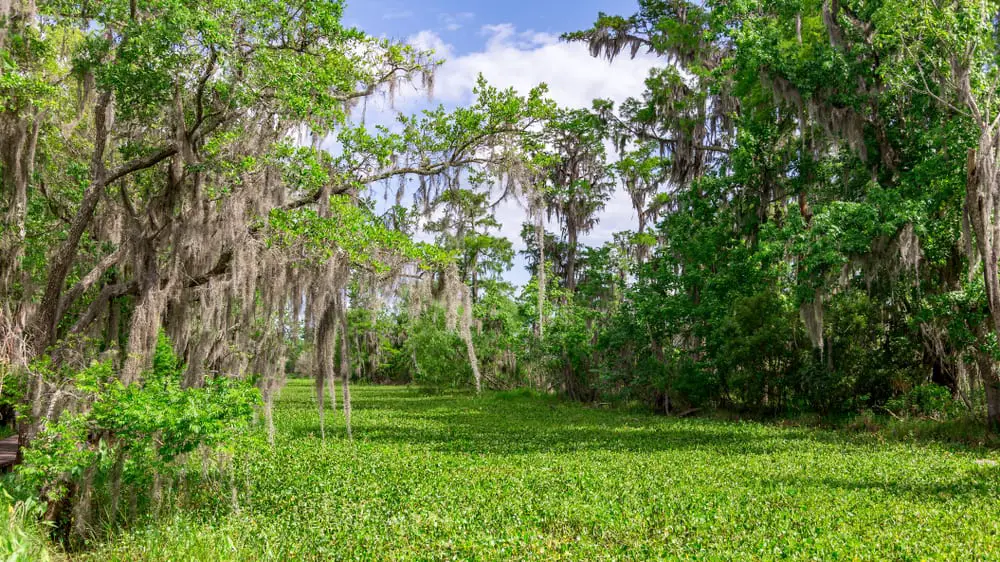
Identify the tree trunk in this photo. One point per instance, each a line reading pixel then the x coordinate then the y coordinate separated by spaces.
pixel 982 208
pixel 540 240
pixel 988 376
pixel 475 279
pixel 571 256
pixel 642 250
pixel 48 313
pixel 116 485
pixel 470 347
pixel 82 510
pixel 157 493
pixel 992 401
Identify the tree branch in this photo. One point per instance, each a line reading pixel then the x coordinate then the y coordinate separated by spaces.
pixel 89 279
pixel 107 293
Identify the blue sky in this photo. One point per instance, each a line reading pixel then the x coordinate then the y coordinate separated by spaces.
pixel 513 43
pixel 461 20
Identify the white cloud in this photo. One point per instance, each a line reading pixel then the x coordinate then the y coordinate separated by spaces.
pixel 454 22
pixel 428 40
pixel 522 60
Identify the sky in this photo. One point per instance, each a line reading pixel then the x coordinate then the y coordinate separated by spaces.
pixel 513 43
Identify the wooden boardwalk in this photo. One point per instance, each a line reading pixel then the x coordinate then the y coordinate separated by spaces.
pixel 8 453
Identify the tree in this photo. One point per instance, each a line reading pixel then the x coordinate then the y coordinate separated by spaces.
pixel 465 226
pixel 793 139
pixel 579 183
pixel 948 52
pixel 641 172
pixel 186 203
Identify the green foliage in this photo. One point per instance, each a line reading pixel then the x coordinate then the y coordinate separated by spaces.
pixel 516 475
pixel 567 347
pixel 756 349
pixel 22 538
pixel 927 400
pixel 799 170
pixel 437 355
pixel 350 229
pixel 162 416
pixel 808 253
pixel 58 457
pixel 150 425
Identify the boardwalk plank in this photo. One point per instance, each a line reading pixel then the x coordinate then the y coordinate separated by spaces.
pixel 8 452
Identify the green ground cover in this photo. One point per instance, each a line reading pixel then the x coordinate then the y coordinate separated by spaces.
pixel 516 476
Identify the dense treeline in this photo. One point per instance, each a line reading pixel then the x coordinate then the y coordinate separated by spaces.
pixel 816 193
pixel 815 183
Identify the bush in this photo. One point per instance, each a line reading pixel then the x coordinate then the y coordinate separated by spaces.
pixel 568 347
pixel 926 400
pixel 135 435
pixel 822 389
pixel 693 383
pixel 440 355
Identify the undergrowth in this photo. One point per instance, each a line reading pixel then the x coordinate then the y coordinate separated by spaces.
pixel 22 537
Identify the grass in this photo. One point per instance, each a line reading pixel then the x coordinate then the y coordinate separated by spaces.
pixel 517 476
pixel 22 538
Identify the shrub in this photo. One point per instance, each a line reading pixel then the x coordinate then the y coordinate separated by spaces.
pixel 136 435
pixel 926 400
pixel 439 354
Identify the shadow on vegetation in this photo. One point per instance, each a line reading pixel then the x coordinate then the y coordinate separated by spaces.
pixel 512 425
pixel 958 487
pixel 509 425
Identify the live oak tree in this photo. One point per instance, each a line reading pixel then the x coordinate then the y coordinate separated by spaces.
pixel 947 52
pixel 642 173
pixel 798 180
pixel 171 155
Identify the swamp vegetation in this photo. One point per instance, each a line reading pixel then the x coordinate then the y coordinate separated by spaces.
pixel 517 475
